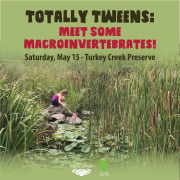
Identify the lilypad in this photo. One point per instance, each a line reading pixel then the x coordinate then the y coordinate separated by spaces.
pixel 84 137
pixel 59 137
pixel 60 126
pixel 74 144
pixel 85 149
pixel 80 141
pixel 68 147
pixel 56 151
pixel 72 140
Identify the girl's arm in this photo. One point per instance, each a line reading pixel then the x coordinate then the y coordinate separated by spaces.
pixel 59 100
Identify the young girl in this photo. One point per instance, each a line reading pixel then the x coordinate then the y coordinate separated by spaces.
pixel 59 98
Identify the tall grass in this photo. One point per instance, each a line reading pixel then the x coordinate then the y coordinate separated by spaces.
pixel 136 106
pixel 132 104
pixel 20 115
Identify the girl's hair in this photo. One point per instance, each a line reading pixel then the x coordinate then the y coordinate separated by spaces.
pixel 65 91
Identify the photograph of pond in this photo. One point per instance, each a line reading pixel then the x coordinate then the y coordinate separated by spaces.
pixel 121 114
pixel 77 99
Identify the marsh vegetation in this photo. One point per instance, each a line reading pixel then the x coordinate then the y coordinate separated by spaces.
pixel 136 111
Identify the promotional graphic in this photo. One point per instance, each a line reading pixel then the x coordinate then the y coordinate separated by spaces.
pixel 90 89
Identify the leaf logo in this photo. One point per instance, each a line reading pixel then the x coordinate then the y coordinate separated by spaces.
pixel 103 165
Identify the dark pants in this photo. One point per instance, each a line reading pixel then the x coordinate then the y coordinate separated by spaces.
pixel 55 102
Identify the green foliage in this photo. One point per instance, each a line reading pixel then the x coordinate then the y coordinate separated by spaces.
pixel 103 165
pixel 71 146
pixel 77 99
pixel 20 116
pixel 85 149
pixel 122 98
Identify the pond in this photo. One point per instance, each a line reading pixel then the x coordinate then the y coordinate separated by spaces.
pixel 71 144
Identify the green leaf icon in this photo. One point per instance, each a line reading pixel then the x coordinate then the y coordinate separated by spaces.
pixel 103 165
